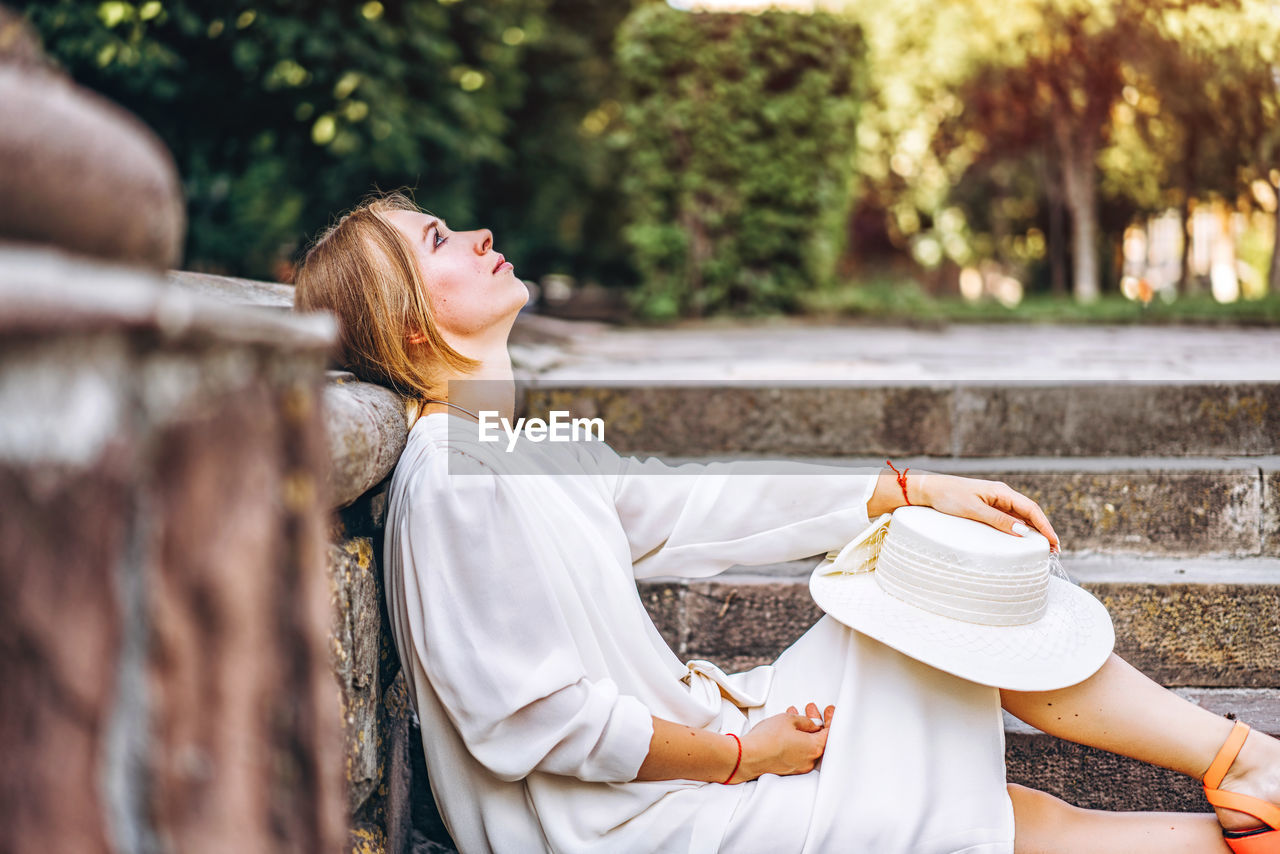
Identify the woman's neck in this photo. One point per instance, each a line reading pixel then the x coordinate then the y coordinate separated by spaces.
pixel 491 388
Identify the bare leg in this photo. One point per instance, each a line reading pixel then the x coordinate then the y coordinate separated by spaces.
pixel 1120 710
pixel 1046 825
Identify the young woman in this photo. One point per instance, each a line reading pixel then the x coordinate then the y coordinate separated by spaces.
pixel 554 717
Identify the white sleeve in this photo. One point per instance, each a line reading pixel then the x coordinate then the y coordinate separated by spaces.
pixel 697 519
pixel 491 635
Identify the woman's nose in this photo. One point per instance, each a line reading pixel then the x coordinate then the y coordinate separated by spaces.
pixel 484 241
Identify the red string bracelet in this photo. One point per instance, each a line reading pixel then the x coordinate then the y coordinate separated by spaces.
pixel 739 762
pixel 902 480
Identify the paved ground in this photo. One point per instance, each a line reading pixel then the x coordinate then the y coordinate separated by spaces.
pixel 786 349
pixel 990 352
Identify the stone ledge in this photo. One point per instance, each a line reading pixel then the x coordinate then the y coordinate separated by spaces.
pixel 233 290
pixel 961 419
pixel 51 292
pixel 1196 631
pixel 47 291
pixel 530 332
pixel 367 431
pixel 1097 567
pixel 1222 506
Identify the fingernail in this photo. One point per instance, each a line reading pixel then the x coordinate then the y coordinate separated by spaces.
pixel 1019 528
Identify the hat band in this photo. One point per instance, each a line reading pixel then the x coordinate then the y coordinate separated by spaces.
pixel 948 561
pixel 972 597
pixel 993 582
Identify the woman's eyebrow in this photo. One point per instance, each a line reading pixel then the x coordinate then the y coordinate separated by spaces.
pixel 426 228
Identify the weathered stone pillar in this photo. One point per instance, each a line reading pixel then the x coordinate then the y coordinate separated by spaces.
pixel 164 601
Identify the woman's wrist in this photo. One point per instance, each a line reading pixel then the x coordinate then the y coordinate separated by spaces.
pixel 917 487
pixel 746 770
pixel 896 489
pixel 736 748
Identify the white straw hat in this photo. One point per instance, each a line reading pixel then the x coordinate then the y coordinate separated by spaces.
pixel 966 598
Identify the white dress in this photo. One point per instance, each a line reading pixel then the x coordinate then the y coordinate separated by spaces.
pixel 535 668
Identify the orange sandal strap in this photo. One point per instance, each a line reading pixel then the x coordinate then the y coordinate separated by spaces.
pixel 1258 843
pixel 1255 807
pixel 1226 755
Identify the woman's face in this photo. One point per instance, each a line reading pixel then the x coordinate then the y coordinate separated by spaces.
pixel 472 289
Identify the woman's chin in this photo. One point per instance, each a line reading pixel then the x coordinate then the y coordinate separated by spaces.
pixel 518 301
pixel 518 291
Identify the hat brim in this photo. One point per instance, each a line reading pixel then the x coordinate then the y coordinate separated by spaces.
pixel 1065 646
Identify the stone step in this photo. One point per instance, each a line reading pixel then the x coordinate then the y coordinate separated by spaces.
pixel 1184 622
pixel 1095 779
pixel 947 418
pixel 1220 506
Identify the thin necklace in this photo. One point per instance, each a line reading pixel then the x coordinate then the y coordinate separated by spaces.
pixel 455 406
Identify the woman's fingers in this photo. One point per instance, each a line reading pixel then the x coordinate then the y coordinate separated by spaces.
pixel 1005 509
pixel 996 518
pixel 813 718
pixel 1021 507
pixel 822 742
pixel 990 501
pixel 1028 509
pixel 806 724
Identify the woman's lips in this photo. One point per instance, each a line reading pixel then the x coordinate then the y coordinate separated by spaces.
pixel 502 262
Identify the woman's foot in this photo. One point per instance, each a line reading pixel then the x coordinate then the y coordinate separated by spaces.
pixel 1255 772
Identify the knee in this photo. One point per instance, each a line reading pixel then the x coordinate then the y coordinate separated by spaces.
pixel 1040 821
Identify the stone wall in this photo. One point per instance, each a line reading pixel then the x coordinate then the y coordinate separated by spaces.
pixel 177 472
pixel 164 619
pixel 170 460
pixel 389 799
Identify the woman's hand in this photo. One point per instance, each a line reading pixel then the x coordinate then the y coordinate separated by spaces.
pixel 788 743
pixel 990 501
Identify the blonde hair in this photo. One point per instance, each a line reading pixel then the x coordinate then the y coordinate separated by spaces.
pixel 362 269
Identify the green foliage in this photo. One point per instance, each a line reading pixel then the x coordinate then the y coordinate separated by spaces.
pixel 904 301
pixel 738 132
pixel 966 146
pixel 281 114
pixel 723 157
pixel 555 205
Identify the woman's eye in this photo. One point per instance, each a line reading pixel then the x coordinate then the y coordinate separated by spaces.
pixel 438 239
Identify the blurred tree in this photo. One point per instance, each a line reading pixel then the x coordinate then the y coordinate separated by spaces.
pixel 920 55
pixel 1069 78
pixel 558 206
pixel 280 113
pixel 1164 149
pixel 1149 103
pixel 1201 117
pixel 1012 180
pixel 738 132
pixel 1239 99
pixel 1075 64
